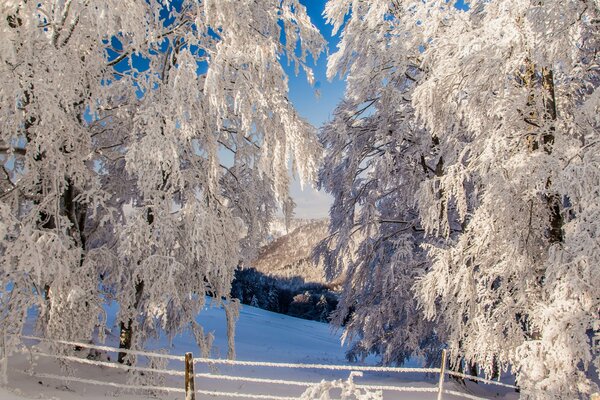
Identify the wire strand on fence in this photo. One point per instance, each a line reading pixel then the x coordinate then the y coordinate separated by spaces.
pixel 246 363
pixel 105 383
pixel 227 377
pixel 255 380
pixel 313 366
pixel 476 378
pixel 308 384
pixel 107 348
pixel 464 395
pixel 245 395
pixel 110 364
pixel 412 389
pixel 238 362
pixel 269 397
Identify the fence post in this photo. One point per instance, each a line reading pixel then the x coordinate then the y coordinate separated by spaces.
pixel 442 372
pixel 3 359
pixel 190 391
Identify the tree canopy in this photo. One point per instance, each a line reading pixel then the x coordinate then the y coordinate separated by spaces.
pixel 145 148
pixel 463 163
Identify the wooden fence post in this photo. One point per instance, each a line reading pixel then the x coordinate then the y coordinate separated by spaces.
pixel 3 359
pixel 442 372
pixel 190 391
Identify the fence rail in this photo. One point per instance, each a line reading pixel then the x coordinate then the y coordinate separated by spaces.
pixel 189 362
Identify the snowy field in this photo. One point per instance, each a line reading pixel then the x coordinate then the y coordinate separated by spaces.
pixel 260 336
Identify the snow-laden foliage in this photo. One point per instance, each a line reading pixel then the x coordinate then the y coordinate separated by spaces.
pixel 507 96
pixel 376 158
pixel 519 285
pixel 144 148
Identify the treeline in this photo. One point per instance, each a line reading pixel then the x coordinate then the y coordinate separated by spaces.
pixel 290 296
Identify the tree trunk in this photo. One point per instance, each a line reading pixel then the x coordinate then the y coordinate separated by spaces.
pixel 553 201
pixel 542 137
pixel 126 330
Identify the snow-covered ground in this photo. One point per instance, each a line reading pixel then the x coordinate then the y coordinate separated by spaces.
pixel 260 336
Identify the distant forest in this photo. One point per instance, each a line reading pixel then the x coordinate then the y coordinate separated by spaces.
pixel 291 296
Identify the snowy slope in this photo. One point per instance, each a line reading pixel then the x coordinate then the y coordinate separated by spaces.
pixel 261 336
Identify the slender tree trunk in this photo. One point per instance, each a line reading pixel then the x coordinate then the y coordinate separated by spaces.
pixel 126 330
pixel 124 341
pixel 458 367
pixel 553 201
pixel 473 371
pixel 544 136
pixel 543 130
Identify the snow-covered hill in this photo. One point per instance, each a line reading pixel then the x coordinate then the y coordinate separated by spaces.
pixel 261 336
pixel 277 228
pixel 290 254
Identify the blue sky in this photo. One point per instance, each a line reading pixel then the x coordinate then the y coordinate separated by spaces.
pixel 316 109
pixel 311 203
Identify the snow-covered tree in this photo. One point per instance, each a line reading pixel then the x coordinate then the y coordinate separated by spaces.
pixel 162 127
pixel 376 156
pixel 519 285
pixel 508 95
pixel 52 76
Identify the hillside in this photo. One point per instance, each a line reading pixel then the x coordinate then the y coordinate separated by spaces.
pixel 289 255
pixel 278 229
